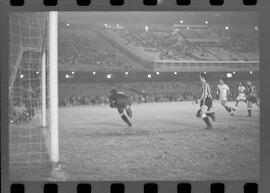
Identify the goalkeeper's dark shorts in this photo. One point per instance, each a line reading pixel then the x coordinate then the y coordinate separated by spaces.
pixel 121 109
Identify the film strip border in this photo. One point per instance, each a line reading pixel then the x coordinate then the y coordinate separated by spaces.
pixel 144 188
pixel 144 2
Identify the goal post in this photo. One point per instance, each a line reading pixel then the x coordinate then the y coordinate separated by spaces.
pixel 53 78
pixel 43 91
pixel 33 88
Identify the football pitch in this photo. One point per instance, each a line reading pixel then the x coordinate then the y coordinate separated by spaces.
pixel 166 142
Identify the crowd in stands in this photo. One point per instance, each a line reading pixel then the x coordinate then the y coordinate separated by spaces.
pixel 88 50
pixel 135 98
pixel 237 45
pixel 192 44
pixel 197 34
pixel 139 92
pixel 81 49
pixel 167 44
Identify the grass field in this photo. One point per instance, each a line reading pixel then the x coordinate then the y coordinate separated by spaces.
pixel 166 142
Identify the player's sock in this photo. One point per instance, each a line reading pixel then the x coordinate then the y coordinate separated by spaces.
pixel 124 117
pixel 249 112
pixel 228 109
pixel 129 113
pixel 207 122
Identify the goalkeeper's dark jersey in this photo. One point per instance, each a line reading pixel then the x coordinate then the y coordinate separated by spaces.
pixel 119 100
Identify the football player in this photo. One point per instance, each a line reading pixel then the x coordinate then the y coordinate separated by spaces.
pixel 251 97
pixel 205 103
pixel 241 96
pixel 122 103
pixel 223 92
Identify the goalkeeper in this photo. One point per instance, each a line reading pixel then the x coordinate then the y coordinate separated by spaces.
pixel 122 103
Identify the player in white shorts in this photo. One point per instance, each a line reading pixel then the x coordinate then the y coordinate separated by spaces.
pixel 223 91
pixel 241 95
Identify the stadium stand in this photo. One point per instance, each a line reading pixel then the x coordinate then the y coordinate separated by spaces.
pixel 139 92
pixel 133 47
pixel 210 43
pixel 85 50
pixel 130 47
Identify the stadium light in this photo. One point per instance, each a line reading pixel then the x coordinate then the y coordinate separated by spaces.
pixel 68 24
pixel 206 22
pixel 175 73
pixel 233 72
pixel 181 21
pixel 126 73
pixel 149 76
pixel 157 73
pixel 227 27
pixel 21 75
pixel 146 28
pixel 250 72
pixel 67 76
pixel 187 27
pixel 72 72
pixel 37 72
pixel 204 72
pixel 117 25
pixel 256 28
pixel 109 76
pixel 94 73
pixel 229 75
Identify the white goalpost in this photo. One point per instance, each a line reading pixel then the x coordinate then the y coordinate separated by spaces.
pixel 43 91
pixel 33 94
pixel 53 78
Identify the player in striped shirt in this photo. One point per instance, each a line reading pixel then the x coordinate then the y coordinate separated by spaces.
pixel 251 97
pixel 205 103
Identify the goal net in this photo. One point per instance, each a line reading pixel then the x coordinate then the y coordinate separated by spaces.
pixel 28 131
